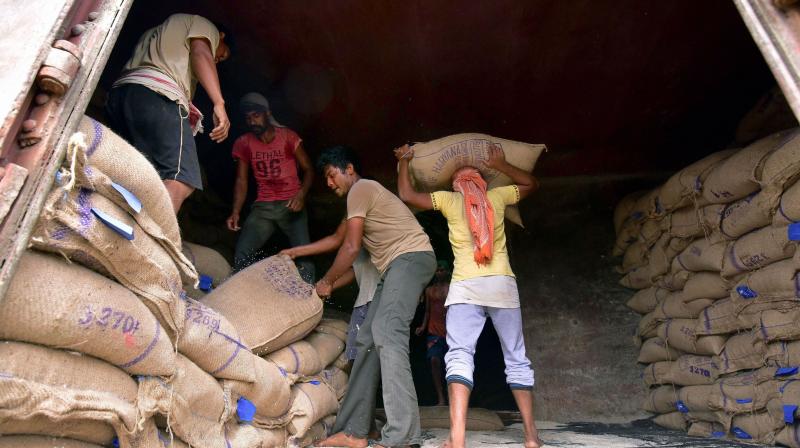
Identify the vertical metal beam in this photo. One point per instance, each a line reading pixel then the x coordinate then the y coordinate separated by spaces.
pixel 777 34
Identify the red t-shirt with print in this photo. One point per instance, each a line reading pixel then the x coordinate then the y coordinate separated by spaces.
pixel 274 164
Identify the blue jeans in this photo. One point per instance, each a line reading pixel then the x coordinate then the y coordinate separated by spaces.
pixel 259 226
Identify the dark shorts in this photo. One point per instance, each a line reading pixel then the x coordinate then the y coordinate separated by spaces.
pixel 437 347
pixel 156 126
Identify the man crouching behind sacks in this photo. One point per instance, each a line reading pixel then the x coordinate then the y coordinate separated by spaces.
pixel 482 285
pixel 402 252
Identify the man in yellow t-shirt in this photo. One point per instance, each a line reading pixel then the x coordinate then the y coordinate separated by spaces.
pixel 483 284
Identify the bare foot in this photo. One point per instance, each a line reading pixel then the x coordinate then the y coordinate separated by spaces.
pixel 447 444
pixel 341 439
pixel 535 443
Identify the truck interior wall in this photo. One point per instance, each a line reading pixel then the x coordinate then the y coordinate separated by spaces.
pixel 621 95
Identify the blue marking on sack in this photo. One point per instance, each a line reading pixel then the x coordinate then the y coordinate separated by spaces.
pixel 718 434
pixel 314 382
pixel 786 371
pixel 744 400
pixel 115 442
pixel 205 283
pixel 130 198
pixel 741 433
pixel 114 224
pixel 245 409
pixel 681 407
pixel 788 413
pixel 745 292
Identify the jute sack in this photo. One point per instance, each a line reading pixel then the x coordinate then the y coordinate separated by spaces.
pixel 688 370
pixel 779 325
pixel 635 256
pixel 211 341
pixel 788 209
pixel 650 231
pixel 648 326
pixel 169 440
pixel 775 282
pixel 58 304
pixel 705 285
pixel 270 392
pixel 663 252
pixel 674 280
pixel 737 176
pixel 706 429
pixel 318 431
pixel 624 208
pixel 760 428
pixel 434 162
pixel 742 351
pixel 673 420
pixel 208 262
pixel 655 349
pixel 661 399
pixel 311 402
pixel 195 404
pixel 691 222
pixel 478 419
pixel 93 149
pixel 56 393
pixel 696 398
pixel 342 363
pixel 336 327
pixel 743 393
pixel 675 306
pixel 269 303
pixel 782 165
pixel 42 442
pixel 248 436
pixel 645 301
pixel 786 393
pixel 757 249
pixel 328 347
pixel 704 254
pixel 638 278
pixel 628 234
pixel 722 316
pixel 336 379
pixel 747 214
pixel 680 189
pixel 680 334
pixel 298 358
pixel 647 206
pixel 783 354
pixel 789 436
pixel 70 225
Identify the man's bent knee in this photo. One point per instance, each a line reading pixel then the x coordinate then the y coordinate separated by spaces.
pixel 178 192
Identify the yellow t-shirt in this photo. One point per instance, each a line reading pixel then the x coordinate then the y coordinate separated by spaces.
pixel 390 229
pixel 166 48
pixel 451 204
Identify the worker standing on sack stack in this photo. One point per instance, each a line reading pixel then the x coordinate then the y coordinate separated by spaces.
pixel 483 284
pixel 150 104
pixel 273 152
pixel 402 252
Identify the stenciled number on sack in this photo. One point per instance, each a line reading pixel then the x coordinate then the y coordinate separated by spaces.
pixel 109 318
pixel 699 371
pixel 197 315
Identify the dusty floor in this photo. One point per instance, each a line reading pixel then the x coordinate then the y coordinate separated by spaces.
pixel 596 435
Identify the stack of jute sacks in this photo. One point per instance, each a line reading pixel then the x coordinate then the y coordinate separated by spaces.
pixel 101 345
pixel 712 253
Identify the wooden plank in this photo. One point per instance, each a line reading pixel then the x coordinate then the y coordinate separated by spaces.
pixel 777 34
pixel 96 42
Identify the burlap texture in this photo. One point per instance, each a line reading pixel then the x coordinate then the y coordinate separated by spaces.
pixel 342 363
pixel 776 282
pixel 743 393
pixel 661 399
pixel 680 334
pixel 56 393
pixel 195 404
pixel 756 250
pixel 337 379
pixel 318 431
pixel 788 208
pixel 673 420
pixel 655 349
pixel 311 401
pixel 705 285
pixel 779 325
pixel 663 252
pixel 706 429
pixel 104 150
pixel 247 436
pixel 336 327
pixel 624 208
pixel 298 358
pixel 696 398
pixel 270 393
pixel 704 254
pixel 58 304
pixel 675 306
pixel 783 354
pixel 211 341
pixel 328 346
pixel 207 261
pixel 42 442
pixel 434 162
pixel 685 186
pixel 69 226
pixel 688 370
pixel 742 351
pixel 760 427
pixel 646 300
pixel 269 303
pixel 747 214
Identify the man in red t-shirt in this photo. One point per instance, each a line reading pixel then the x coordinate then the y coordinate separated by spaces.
pixel 273 152
pixel 433 323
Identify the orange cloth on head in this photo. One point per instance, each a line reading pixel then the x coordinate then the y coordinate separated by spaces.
pixel 479 211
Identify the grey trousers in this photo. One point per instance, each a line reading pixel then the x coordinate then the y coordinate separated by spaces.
pixel 259 226
pixel 382 345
